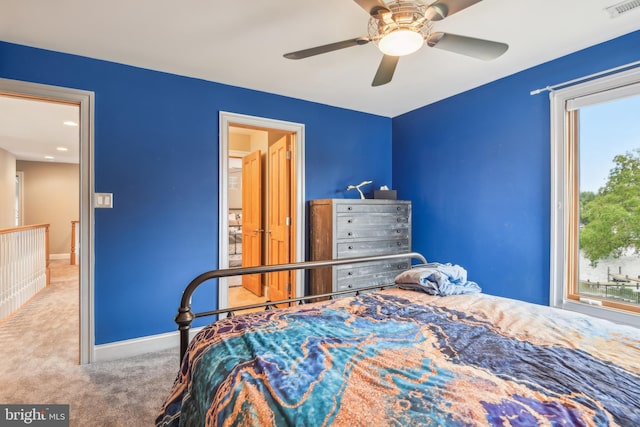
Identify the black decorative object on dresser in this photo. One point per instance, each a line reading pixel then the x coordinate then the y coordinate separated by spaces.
pixel 344 228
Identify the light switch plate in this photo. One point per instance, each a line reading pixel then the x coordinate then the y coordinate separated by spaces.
pixel 103 200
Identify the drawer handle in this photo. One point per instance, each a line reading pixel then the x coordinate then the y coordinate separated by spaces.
pixel 350 247
pixel 349 234
pixel 349 208
pixel 350 273
pixel 397 231
pixel 349 221
pixel 398 243
pixel 349 286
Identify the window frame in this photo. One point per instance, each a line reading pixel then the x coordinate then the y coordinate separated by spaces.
pixel 564 242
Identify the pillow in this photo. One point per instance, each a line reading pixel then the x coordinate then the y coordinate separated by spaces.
pixel 437 279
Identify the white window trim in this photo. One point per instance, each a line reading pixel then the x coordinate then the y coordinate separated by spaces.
pixel 588 93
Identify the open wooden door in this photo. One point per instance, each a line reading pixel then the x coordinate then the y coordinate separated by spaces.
pixel 279 216
pixel 252 229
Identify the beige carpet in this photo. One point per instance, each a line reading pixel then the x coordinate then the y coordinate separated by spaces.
pixel 39 364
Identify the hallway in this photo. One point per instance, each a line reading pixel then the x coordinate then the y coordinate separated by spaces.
pixel 39 353
pixel 45 329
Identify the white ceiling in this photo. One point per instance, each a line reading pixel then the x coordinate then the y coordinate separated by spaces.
pixel 241 43
pixel 35 130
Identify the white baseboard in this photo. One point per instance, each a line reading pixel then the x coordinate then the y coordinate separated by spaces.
pixel 59 256
pixel 138 346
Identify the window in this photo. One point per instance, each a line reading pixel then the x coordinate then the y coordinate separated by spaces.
pixel 595 218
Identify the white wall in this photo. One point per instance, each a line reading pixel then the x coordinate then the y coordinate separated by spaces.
pixel 51 196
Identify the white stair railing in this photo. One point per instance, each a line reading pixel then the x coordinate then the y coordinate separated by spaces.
pixel 24 265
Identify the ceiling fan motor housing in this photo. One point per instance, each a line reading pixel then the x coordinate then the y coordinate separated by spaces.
pixel 403 15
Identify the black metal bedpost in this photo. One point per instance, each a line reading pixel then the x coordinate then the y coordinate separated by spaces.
pixel 185 316
pixel 183 319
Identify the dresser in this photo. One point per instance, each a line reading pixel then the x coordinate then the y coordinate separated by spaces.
pixel 345 228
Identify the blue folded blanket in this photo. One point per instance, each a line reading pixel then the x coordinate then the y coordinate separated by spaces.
pixel 437 279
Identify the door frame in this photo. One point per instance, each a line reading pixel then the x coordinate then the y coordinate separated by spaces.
pixel 227 119
pixel 85 100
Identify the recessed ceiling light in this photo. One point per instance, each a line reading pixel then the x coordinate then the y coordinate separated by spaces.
pixel 49 157
pixel 62 149
pixel 70 123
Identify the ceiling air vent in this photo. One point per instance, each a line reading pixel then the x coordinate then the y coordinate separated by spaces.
pixel 622 7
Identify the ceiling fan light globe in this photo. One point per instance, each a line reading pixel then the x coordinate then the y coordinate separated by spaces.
pixel 400 42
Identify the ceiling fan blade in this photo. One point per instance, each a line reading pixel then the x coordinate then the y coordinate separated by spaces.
pixel 373 7
pixel 385 70
pixel 443 8
pixel 305 53
pixel 469 46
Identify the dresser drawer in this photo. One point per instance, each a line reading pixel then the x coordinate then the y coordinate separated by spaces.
pixel 372 208
pixel 396 231
pixel 354 226
pixel 369 274
pixel 366 270
pixel 372 247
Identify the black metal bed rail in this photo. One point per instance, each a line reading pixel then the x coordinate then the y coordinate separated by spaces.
pixel 185 316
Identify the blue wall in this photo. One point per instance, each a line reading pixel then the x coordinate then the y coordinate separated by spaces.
pixel 156 149
pixel 477 168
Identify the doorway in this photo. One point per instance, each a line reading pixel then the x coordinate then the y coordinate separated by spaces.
pixel 261 206
pixel 84 100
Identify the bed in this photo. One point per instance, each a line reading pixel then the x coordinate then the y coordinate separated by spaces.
pixel 404 358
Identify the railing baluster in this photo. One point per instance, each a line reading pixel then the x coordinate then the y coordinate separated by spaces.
pixel 23 265
pixel 75 243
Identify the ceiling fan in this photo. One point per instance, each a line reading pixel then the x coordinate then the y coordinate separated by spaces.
pixel 401 27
